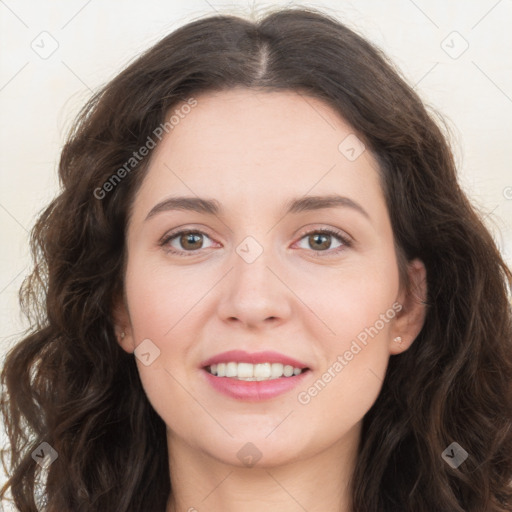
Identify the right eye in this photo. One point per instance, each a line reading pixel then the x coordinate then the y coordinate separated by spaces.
pixel 188 241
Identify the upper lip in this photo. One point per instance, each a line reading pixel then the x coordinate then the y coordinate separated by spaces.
pixel 240 356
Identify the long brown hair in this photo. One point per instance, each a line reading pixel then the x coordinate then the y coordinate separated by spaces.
pixel 68 383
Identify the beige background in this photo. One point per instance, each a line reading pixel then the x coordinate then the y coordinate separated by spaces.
pixel 40 93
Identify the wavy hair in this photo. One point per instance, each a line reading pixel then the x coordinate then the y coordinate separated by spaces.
pixel 68 382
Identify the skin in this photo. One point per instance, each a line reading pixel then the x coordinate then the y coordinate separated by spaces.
pixel 253 151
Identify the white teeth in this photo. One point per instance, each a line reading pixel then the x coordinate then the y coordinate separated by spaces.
pixel 231 370
pixel 277 370
pixel 221 370
pixel 288 370
pixel 262 371
pixel 251 372
pixel 245 370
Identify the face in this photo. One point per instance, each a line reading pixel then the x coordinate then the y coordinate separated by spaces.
pixel 262 267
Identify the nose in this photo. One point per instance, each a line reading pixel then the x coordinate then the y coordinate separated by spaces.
pixel 254 294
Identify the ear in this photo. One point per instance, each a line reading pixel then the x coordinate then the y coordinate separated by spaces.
pixel 411 317
pixel 122 326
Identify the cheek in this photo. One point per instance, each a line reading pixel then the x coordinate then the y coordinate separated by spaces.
pixel 348 300
pixel 354 364
pixel 161 306
pixel 333 408
pixel 357 306
pixel 160 298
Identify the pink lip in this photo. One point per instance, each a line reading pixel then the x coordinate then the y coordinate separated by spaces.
pixel 240 356
pixel 253 391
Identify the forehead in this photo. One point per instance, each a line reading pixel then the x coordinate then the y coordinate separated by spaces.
pixel 241 143
pixel 239 123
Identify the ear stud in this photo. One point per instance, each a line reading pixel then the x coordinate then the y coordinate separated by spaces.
pixel 398 340
pixel 123 334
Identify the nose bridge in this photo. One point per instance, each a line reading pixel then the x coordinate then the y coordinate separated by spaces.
pixel 251 267
pixel 254 294
pixel 251 275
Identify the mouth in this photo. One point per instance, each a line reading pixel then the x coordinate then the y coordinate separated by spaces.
pixel 254 372
pixel 253 377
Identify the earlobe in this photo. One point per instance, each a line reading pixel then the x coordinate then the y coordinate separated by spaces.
pixel 122 327
pixel 124 340
pixel 411 318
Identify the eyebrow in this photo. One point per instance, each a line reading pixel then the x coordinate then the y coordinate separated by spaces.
pixel 297 205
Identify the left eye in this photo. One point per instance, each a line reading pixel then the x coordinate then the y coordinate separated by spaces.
pixel 322 240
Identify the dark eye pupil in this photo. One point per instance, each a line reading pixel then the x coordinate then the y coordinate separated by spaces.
pixel 320 240
pixel 190 238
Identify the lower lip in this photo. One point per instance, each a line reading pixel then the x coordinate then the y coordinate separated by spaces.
pixel 254 390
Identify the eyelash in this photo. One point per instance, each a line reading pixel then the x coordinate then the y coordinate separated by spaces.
pixel 329 252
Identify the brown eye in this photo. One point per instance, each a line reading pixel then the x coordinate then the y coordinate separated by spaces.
pixel 322 241
pixel 190 241
pixel 187 241
pixel 319 241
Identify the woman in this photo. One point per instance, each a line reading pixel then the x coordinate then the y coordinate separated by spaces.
pixel 261 285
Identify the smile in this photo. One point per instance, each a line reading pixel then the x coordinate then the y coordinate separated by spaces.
pixel 253 372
